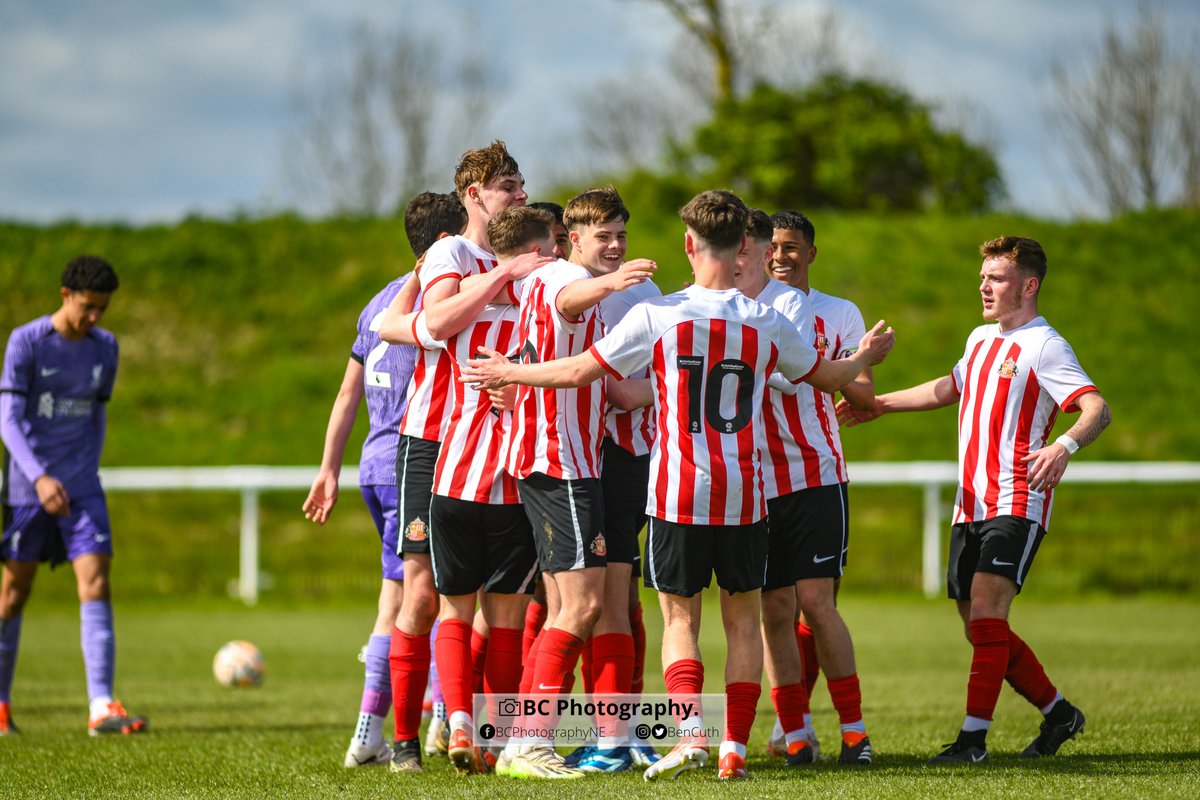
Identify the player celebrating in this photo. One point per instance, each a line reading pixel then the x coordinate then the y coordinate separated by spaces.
pixel 380 372
pixel 1012 380
pixel 555 452
pixel 54 390
pixel 487 181
pixel 711 350
pixel 807 476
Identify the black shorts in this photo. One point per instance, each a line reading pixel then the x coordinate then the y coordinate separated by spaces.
pixel 478 545
pixel 415 462
pixel 1002 545
pixel 810 534
pixel 625 480
pixel 681 559
pixel 567 517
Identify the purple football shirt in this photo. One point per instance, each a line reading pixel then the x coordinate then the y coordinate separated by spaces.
pixel 387 370
pixel 53 393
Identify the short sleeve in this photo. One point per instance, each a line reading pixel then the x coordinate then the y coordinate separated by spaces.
pixel 422 335
pixel 441 262
pixel 1059 373
pixel 797 358
pixel 851 331
pixel 629 345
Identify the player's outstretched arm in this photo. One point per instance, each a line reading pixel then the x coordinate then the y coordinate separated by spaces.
pixel 831 376
pixel 937 393
pixel 1048 464
pixel 578 296
pixel 629 394
pixel 323 495
pixel 491 370
pixel 396 327
pixel 451 305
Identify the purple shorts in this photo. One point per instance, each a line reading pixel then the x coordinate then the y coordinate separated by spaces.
pixel 381 502
pixel 32 534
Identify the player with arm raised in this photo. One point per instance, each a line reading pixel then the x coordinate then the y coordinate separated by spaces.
pixel 807 473
pixel 554 451
pixel 479 534
pixel 55 386
pixel 487 181
pixel 380 372
pixel 710 349
pixel 1011 382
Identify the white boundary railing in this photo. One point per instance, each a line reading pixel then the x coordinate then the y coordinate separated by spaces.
pixel 931 476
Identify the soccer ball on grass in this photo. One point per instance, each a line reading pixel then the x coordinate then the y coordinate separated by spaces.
pixel 238 664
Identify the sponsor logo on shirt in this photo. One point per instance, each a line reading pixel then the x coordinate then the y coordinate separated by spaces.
pixel 1008 369
pixel 48 371
pixel 416 531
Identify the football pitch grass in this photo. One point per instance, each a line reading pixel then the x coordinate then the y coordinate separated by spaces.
pixel 1132 665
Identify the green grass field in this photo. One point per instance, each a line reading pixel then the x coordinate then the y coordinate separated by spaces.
pixel 1133 666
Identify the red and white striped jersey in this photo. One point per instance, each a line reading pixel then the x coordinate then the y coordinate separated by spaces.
pixel 1011 386
pixel 428 398
pixel 710 353
pixel 630 430
pixel 557 432
pixel 470 462
pixel 804 446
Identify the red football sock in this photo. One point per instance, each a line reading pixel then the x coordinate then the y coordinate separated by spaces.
pixel 1026 675
pixel 530 661
pixel 502 667
pixel 556 659
pixel 479 645
pixel 685 682
pixel 989 638
pixel 808 655
pixel 453 652
pixel 847 698
pixel 741 701
pixel 790 703
pixel 555 669
pixel 535 618
pixel 587 666
pixel 638 680
pixel 408 662
pixel 612 670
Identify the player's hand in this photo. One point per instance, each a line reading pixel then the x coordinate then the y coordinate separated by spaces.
pixel 633 272
pixel 526 263
pixel 503 399
pixel 486 370
pixel 53 496
pixel 322 497
pixel 1047 466
pixel 849 416
pixel 877 343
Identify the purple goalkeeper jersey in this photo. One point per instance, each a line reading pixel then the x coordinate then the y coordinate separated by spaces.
pixel 387 369
pixel 53 392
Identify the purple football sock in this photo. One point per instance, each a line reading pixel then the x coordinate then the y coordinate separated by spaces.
pixel 10 639
pixel 438 697
pixel 377 686
pixel 99 646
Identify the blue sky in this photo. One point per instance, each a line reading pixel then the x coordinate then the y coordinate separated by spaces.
pixel 147 110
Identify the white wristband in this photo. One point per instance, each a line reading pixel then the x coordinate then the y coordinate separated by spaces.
pixel 1070 444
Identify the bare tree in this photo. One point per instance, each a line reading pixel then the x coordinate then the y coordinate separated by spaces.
pixel 1127 116
pixel 381 123
pixel 707 21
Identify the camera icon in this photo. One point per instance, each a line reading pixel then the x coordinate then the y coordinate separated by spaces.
pixel 509 707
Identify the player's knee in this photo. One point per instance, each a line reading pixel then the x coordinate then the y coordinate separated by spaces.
pixel 93 588
pixel 778 607
pixel 419 609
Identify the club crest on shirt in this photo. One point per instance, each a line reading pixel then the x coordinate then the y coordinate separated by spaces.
pixel 416 531
pixel 96 371
pixel 821 344
pixel 1008 369
pixel 599 547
